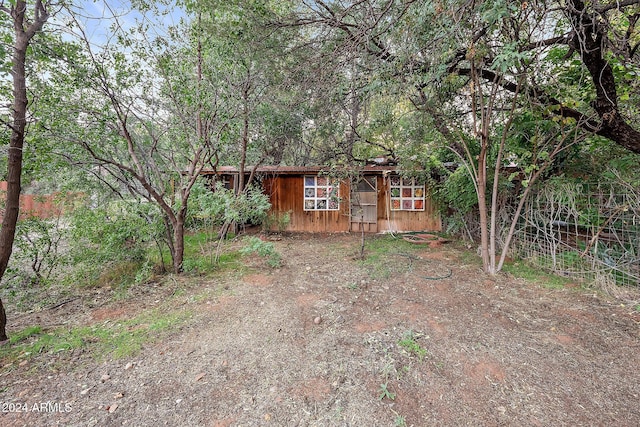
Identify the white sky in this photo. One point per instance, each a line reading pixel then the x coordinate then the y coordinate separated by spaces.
pixel 100 17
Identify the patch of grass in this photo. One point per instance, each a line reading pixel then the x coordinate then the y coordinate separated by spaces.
pixel 113 340
pixel 386 254
pixel 380 246
pixel 199 250
pixel 199 254
pixel 522 270
pixel 409 343
pixel 25 334
pixel 193 242
pixel 118 275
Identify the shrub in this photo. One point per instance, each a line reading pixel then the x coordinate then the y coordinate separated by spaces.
pixel 267 250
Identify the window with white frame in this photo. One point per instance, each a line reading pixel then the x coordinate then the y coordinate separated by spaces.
pixel 407 194
pixel 320 193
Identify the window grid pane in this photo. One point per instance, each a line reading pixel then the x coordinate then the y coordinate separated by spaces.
pixel 320 194
pixel 406 194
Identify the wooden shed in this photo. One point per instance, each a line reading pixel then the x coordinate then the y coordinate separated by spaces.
pixel 379 200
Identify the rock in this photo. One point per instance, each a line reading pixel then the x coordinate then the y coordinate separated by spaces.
pixel 317 320
pixel 105 377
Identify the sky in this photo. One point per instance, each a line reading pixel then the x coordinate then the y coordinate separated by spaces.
pixel 100 18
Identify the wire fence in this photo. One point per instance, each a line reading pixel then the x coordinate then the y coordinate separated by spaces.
pixel 588 230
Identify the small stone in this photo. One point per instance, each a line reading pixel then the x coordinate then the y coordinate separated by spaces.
pixel 317 320
pixel 128 366
pixel 112 408
pixel 118 395
pixel 105 377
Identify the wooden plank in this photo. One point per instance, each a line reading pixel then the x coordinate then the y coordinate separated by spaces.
pixel 287 195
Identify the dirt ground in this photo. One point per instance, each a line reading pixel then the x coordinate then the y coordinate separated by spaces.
pixel 326 340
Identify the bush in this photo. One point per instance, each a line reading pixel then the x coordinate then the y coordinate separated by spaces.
pixel 37 251
pixel 214 208
pixel 106 239
pixel 266 250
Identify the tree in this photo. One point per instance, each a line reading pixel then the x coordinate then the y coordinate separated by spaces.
pixel 424 42
pixel 26 24
pixel 249 62
pixel 145 119
pixel 474 67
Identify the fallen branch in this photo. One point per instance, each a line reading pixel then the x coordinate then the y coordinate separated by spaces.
pixel 62 303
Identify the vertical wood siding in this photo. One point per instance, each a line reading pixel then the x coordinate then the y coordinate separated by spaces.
pixel 389 220
pixel 287 194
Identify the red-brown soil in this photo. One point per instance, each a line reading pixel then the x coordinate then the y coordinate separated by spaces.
pixel 317 343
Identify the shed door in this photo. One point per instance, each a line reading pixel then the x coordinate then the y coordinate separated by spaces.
pixel 364 205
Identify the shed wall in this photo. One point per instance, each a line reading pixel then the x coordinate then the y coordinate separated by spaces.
pixel 389 220
pixel 287 195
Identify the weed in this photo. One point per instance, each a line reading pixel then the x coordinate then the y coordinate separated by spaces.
pixel 119 275
pixel 389 367
pixel 399 421
pixel 353 286
pixel 409 343
pixel 637 307
pixel 525 271
pixel 266 250
pixel 277 221
pixel 385 392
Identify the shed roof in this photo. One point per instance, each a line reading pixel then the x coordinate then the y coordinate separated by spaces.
pixel 292 170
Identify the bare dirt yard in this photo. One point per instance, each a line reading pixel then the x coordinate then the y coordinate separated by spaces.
pixel 413 336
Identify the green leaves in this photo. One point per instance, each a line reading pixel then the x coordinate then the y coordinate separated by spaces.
pixel 223 205
pixel 509 57
pixel 493 12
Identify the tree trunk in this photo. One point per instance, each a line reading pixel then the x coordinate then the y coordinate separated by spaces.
pixel 178 245
pixel 484 219
pixel 244 143
pixel 16 141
